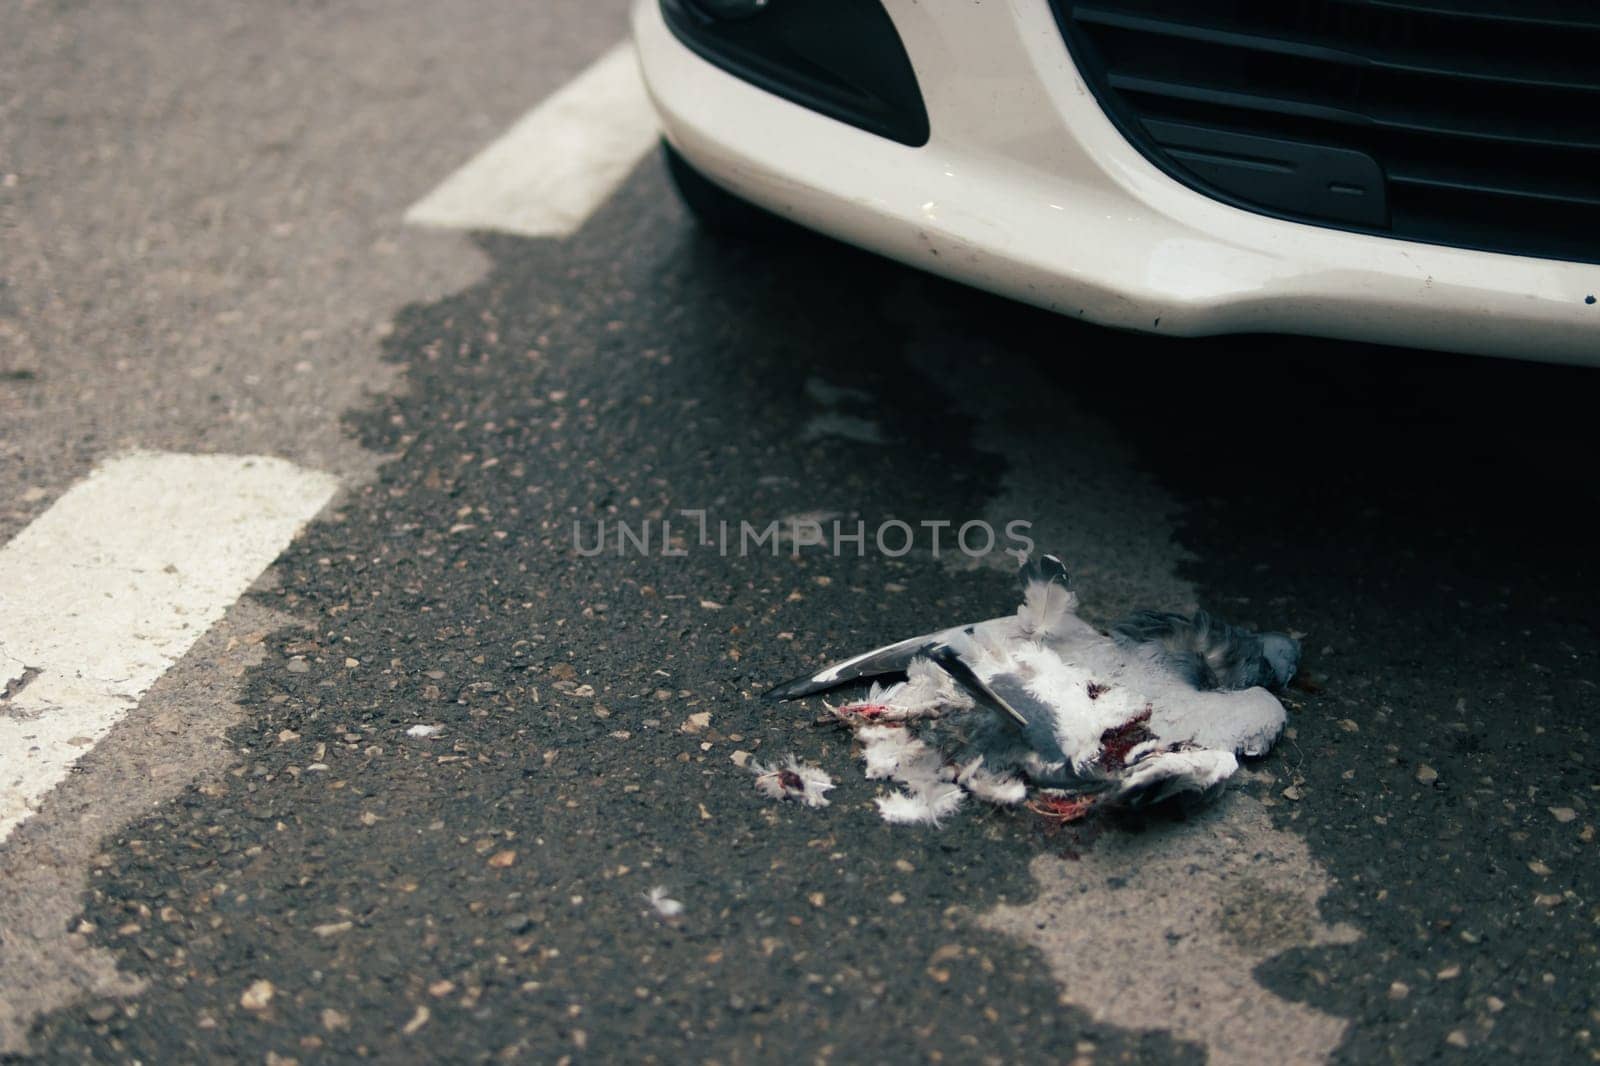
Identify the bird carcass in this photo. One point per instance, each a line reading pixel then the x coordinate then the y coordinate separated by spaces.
pixel 1041 708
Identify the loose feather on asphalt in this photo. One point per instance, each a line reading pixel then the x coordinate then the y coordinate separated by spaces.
pixel 793 780
pixel 1039 704
pixel 664 905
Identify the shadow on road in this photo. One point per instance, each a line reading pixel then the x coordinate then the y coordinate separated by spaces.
pixel 1419 517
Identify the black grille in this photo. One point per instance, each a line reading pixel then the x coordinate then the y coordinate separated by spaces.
pixel 1473 123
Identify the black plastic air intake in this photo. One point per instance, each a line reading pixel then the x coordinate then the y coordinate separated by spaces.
pixel 842 58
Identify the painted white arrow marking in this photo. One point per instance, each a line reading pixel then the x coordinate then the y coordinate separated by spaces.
pixel 114 583
pixel 549 172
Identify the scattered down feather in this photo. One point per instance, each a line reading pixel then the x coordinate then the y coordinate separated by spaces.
pixel 793 780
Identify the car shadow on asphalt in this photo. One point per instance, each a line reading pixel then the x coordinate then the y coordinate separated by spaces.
pixel 1415 515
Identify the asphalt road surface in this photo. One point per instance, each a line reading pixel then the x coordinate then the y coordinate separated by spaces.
pixel 255 855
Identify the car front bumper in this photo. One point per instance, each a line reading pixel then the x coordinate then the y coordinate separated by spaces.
pixel 1026 189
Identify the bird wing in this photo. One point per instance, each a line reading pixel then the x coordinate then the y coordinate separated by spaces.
pixel 889 659
pixel 1244 723
pixel 1048 611
pixel 949 660
pixel 1165 775
pixel 1010 716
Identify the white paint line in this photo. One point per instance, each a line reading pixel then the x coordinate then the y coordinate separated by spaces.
pixel 547 174
pixel 113 584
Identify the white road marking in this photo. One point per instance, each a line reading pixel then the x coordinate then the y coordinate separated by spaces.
pixel 113 584
pixel 547 174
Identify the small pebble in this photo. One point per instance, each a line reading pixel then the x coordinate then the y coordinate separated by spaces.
pixel 258 996
pixel 418 1020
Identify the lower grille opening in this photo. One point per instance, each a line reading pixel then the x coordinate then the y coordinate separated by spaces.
pixel 1473 123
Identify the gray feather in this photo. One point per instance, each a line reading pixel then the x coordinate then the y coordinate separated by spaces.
pixel 1211 654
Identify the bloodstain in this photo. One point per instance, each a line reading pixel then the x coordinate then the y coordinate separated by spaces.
pixel 1062 809
pixel 791 781
pixel 1116 742
pixel 1096 690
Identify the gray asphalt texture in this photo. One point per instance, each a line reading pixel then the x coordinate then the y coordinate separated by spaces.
pixel 1422 518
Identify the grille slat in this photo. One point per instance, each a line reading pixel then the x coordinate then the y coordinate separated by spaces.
pixel 1280 105
pixel 1458 183
pixel 1560 16
pixel 1480 119
pixel 1584 77
pixel 1285 105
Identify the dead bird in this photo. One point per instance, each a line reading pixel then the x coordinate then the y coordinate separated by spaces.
pixel 1041 707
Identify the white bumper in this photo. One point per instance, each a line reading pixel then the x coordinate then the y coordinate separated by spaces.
pixel 1026 189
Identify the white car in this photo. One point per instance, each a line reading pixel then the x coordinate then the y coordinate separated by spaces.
pixel 1417 172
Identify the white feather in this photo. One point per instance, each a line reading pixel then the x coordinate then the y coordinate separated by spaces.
pixel 1080 721
pixel 1246 723
pixel 1045 604
pixel 1002 789
pixel 814 782
pixel 1139 751
pixel 921 807
pixel 926 692
pixel 662 904
pixel 890 750
pixel 1190 770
